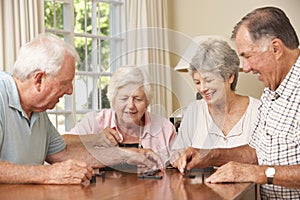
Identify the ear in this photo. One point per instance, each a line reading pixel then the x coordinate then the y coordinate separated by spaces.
pixel 231 78
pixel 277 47
pixel 38 79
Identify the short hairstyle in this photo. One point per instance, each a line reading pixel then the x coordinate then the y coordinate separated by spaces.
pixel 269 22
pixel 216 56
pixel 45 53
pixel 125 75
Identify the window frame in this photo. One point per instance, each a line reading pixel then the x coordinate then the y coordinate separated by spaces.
pixel 117 46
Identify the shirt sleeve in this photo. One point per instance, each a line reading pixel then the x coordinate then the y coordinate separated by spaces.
pixel 87 125
pixel 169 134
pixel 254 138
pixel 185 132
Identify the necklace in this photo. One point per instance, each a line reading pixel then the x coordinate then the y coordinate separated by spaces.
pixel 139 131
pixel 140 138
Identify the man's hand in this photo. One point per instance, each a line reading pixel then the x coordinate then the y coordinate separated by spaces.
pixel 68 172
pixel 192 158
pixel 112 136
pixel 235 172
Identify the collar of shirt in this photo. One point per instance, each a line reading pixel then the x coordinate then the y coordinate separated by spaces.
pixel 235 131
pixel 146 129
pixel 12 93
pixel 284 90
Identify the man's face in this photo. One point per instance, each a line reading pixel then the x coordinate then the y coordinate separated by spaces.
pixel 259 62
pixel 55 87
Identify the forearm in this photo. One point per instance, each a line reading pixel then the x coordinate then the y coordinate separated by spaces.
pixel 13 173
pixel 287 176
pixel 242 154
pixel 75 149
pixel 89 150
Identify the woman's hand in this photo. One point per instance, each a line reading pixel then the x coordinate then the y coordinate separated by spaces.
pixel 176 155
pixel 112 136
pixel 145 159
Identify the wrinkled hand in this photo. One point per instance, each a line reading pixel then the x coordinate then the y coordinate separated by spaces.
pixel 112 136
pixel 191 158
pixel 234 172
pixel 176 155
pixel 104 139
pixel 69 172
pixel 225 191
pixel 145 159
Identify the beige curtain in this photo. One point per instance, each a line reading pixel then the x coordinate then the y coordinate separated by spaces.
pixel 147 45
pixel 20 21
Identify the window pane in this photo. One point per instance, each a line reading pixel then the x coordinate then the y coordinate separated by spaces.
pixel 58 121
pixel 53 14
pixel 49 14
pixel 105 56
pixel 104 81
pixel 80 12
pixel 96 47
pixel 104 19
pixel 92 17
pixel 59 15
pixel 84 85
pixel 94 54
pixel 83 47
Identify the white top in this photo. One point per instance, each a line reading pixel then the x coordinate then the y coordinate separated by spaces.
pixel 198 129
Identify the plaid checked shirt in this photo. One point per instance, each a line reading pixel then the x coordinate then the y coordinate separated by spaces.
pixel 276 135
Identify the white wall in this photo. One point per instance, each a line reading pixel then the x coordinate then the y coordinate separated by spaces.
pixel 218 17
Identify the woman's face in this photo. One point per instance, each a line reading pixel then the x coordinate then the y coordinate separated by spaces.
pixel 130 104
pixel 211 86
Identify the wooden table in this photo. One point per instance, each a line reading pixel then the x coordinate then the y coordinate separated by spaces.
pixel 127 186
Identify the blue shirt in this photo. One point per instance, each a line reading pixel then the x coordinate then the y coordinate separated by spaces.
pixel 23 140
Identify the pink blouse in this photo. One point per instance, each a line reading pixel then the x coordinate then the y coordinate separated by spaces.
pixel 158 132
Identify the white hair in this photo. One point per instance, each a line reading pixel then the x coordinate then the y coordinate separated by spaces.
pixel 45 53
pixel 126 75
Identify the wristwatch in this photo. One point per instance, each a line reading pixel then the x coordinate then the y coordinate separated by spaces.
pixel 270 173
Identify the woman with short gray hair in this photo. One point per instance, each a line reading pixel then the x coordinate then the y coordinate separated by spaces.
pixel 222 118
pixel 128 123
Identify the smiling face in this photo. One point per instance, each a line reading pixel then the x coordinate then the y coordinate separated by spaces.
pixel 211 86
pixel 259 62
pixel 130 104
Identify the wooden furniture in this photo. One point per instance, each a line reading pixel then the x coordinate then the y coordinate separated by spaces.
pixel 127 186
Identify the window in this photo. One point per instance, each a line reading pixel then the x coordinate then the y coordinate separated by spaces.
pixel 94 27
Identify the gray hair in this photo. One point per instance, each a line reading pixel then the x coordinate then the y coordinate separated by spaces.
pixel 45 53
pixel 269 23
pixel 216 56
pixel 126 75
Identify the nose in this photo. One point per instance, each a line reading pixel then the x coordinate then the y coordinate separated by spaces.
pixel 246 66
pixel 130 103
pixel 203 87
pixel 70 90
